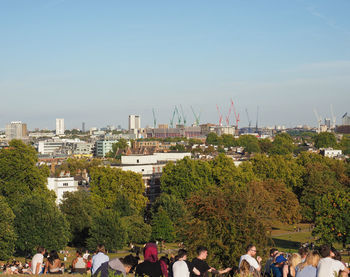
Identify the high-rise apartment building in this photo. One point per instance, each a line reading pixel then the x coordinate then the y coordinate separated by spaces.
pixel 60 126
pixel 134 122
pixel 16 130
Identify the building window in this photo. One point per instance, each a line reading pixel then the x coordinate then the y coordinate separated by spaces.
pixel 137 161
pixel 65 184
pixel 143 170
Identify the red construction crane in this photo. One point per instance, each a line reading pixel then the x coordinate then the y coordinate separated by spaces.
pixel 236 114
pixel 229 114
pixel 220 115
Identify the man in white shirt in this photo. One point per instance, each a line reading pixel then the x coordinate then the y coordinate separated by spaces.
pixel 327 266
pixel 37 261
pixel 180 267
pixel 249 257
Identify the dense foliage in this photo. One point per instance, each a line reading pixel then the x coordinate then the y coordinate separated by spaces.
pixel 211 202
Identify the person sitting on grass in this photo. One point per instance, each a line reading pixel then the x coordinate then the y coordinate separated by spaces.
pixel 79 263
pixel 117 266
pixel 53 263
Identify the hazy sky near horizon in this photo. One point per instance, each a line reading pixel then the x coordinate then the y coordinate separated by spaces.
pixel 99 61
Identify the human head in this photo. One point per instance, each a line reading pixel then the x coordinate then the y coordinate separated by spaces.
pixel 182 254
pixel 273 252
pixel 312 258
pixel 150 252
pixel 325 251
pixel 280 260
pixel 129 262
pixel 100 248
pixel 336 254
pixel 40 250
pixel 202 252
pixel 294 260
pixel 251 250
pixel 53 256
pixel 303 252
pixel 79 253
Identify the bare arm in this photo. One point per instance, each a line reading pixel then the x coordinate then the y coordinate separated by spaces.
pixel 223 271
pixel 37 268
pixel 285 270
pixel 74 262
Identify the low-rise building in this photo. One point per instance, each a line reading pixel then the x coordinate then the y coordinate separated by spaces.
pixel 151 168
pixel 330 152
pixel 103 147
pixel 61 185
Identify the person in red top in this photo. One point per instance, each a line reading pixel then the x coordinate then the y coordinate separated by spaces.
pixel 89 263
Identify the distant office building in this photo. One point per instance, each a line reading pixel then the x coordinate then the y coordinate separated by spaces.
pixel 83 127
pixel 345 119
pixel 50 147
pixel 60 126
pixel 327 122
pixel 134 122
pixel 103 147
pixel 16 130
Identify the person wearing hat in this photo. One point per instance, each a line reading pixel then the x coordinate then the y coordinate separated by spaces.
pixel 277 266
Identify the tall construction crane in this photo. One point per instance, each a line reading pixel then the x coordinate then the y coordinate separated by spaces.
pixel 196 116
pixel 220 115
pixel 236 114
pixel 249 121
pixel 334 118
pixel 229 114
pixel 319 121
pixel 154 119
pixel 183 115
pixel 179 119
pixel 257 118
pixel 172 119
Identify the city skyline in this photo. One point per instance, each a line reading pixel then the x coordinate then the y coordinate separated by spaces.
pixel 98 62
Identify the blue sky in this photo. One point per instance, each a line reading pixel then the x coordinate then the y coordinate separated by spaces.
pixel 98 61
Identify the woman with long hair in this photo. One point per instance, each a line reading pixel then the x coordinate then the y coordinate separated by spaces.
pixel 289 268
pixel 309 267
pixel 53 263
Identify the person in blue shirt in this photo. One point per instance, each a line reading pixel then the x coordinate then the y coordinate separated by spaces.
pixel 277 266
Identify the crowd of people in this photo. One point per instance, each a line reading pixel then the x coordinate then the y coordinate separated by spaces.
pixel 322 262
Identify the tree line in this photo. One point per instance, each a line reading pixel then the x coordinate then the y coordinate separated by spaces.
pixel 213 203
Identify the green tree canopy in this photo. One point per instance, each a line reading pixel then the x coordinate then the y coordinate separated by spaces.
pixel 214 139
pixel 107 229
pixel 250 143
pixel 222 222
pixel 280 168
pixel 79 210
pixel 186 176
pixel 137 231
pixel 265 145
pixel 19 174
pixel 174 207
pixel 162 226
pixel 73 165
pixel 345 145
pixel 39 222
pixel 325 139
pixel 283 144
pixel 107 183
pixel 7 230
pixel 332 222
